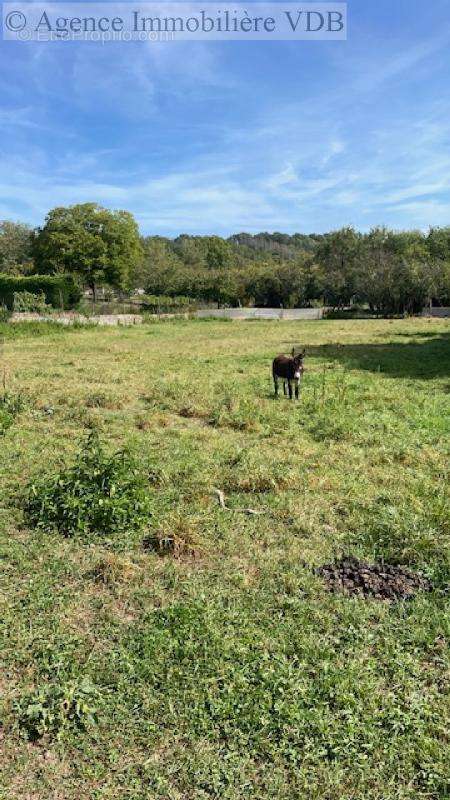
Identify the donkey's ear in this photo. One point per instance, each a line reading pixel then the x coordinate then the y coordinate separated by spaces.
pixel 293 352
pixel 303 353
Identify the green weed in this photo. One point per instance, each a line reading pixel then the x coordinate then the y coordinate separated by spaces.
pixel 98 495
pixel 53 709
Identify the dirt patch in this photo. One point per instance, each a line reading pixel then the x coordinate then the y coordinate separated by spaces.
pixel 381 581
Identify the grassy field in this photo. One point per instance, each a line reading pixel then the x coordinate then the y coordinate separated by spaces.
pixel 215 662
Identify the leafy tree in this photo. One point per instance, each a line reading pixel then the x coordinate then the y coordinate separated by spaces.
pixel 99 245
pixel 278 244
pixel 218 255
pixel 279 284
pixel 15 248
pixel 338 257
pixel 157 270
pixel 438 244
pixel 297 281
pixel 191 250
pixel 220 286
pixel 394 275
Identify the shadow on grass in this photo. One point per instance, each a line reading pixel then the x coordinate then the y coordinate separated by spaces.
pixel 421 356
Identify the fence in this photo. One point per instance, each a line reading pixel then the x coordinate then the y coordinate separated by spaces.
pixel 80 319
pixel 262 313
pixel 437 311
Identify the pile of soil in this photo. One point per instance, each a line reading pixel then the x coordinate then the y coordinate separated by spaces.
pixel 381 581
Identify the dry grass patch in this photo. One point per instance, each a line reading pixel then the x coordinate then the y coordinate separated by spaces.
pixel 112 569
pixel 177 536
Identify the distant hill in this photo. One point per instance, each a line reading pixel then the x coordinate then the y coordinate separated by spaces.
pixel 281 244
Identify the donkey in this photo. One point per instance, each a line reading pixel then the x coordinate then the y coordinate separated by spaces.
pixel 290 370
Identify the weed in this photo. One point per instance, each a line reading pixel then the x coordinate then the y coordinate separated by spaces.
pixel 100 494
pixel 53 709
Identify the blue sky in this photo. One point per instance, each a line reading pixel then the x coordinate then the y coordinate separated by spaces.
pixel 221 137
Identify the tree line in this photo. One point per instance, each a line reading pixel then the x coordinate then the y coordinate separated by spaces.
pixel 388 272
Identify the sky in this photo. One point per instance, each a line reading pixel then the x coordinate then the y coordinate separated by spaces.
pixel 221 137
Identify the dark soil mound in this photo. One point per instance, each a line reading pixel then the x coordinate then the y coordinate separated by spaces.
pixel 382 581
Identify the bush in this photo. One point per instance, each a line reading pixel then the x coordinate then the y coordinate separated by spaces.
pixel 53 709
pixel 99 494
pixel 27 301
pixel 60 291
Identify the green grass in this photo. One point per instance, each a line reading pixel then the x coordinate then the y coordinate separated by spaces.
pixel 220 667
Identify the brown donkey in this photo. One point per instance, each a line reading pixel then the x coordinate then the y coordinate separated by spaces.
pixel 290 369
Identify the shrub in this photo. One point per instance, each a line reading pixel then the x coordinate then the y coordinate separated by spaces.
pixel 27 301
pixel 60 291
pixel 99 494
pixel 54 709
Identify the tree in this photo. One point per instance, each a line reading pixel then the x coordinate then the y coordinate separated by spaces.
pixel 99 245
pixel 15 248
pixel 191 250
pixel 218 285
pixel 394 275
pixel 297 281
pixel 218 254
pixel 338 256
pixel 438 244
pixel 158 268
pixel 278 284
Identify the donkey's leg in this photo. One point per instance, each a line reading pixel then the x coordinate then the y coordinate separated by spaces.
pixel 284 388
pixel 275 383
pixel 290 389
pixel 297 388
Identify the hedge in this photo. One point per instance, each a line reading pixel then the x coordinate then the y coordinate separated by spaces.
pixel 59 290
